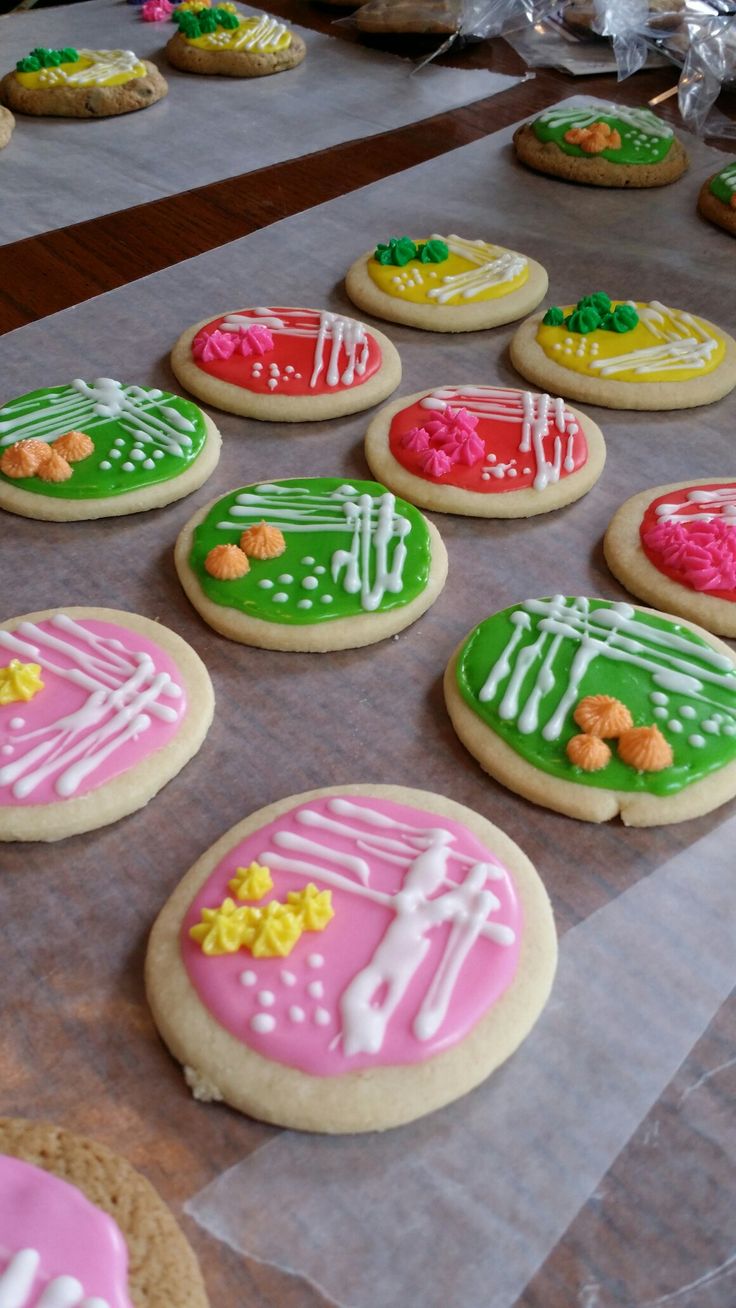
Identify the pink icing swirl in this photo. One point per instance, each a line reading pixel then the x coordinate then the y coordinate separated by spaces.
pixel 451 426
pixel 156 11
pixel 702 553
pixel 214 345
pixel 435 462
pixel 416 439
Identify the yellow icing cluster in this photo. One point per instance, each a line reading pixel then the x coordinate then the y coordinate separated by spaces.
pixel 19 681
pixel 469 267
pixel 251 882
pixel 268 932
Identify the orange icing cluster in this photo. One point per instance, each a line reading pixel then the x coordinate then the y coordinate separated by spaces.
pixel 604 718
pixel 47 461
pixel 267 932
pixel 594 139
pixel 261 541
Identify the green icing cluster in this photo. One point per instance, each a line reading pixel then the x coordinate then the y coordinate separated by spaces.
pixel 43 58
pixel 593 313
pixel 201 22
pixel 401 249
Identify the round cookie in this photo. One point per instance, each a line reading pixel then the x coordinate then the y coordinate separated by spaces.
pixel 286 365
pixel 98 710
pixel 284 976
pixel 77 1221
pixel 625 354
pixel 675 546
pixel 311 564
pixel 446 283
pixel 218 42
pixel 72 83
pixel 485 451
pixel 116 449
pixel 601 144
pixel 398 16
pixel 594 709
pixel 7 123
pixel 717 198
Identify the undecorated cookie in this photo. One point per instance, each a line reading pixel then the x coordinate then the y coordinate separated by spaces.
pixel 626 354
pixel 100 449
pixel 286 365
pixel 312 564
pixel 485 451
pixel 446 283
pixel 98 710
pixel 587 140
pixel 80 1228
pixel 717 198
pixel 675 546
pixel 7 123
pixel 288 977
pixel 73 83
pixel 595 709
pixel 219 42
pixel 416 16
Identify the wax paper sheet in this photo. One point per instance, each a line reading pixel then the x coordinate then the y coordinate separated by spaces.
pixel 58 171
pixel 80 1047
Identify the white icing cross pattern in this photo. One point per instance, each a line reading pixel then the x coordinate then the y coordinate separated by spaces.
pixel 539 418
pixel 584 115
pixel 125 693
pixel 17 1286
pixel 266 31
pixel 428 898
pixel 712 504
pixel 686 344
pixel 615 633
pixel 104 64
pixel 374 562
pixel 493 268
pixel 333 335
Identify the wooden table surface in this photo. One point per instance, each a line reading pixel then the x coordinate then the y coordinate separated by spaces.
pixel 596 1264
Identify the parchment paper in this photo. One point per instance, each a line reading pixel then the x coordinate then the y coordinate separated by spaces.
pixel 83 1052
pixel 58 171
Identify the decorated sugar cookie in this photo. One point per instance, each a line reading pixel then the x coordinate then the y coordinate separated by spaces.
pixel 100 449
pixel 286 365
pixel 310 564
pixel 351 958
pixel 596 709
pixel 219 40
pixel 603 144
pixel 485 451
pixel 675 546
pixel 98 710
pixel 7 123
pixel 71 83
pixel 80 1228
pixel 626 354
pixel 445 283
pixel 717 198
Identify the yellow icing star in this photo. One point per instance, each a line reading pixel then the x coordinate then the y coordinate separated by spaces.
pixel 19 681
pixel 313 906
pixel 251 882
pixel 277 931
pixel 224 929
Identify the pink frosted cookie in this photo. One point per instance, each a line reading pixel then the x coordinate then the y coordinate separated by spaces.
pixel 98 710
pixel 61 1246
pixel 351 958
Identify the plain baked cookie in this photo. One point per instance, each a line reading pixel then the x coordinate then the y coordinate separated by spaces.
pixel 72 83
pixel 283 974
pixel 286 365
pixel 416 16
pixel 101 449
pixel 446 283
pixel 73 1211
pixel 717 198
pixel 675 547
pixel 218 42
pixel 310 564
pixel 485 451
pixel 98 710
pixel 625 354
pixel 594 709
pixel 7 123
pixel 602 144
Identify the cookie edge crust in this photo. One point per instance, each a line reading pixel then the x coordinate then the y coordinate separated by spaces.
pixel 371 1099
pixel 547 158
pixel 233 63
pixel 573 799
pixel 284 408
pixel 45 508
pixel 531 362
pixel 366 295
pixel 7 125
pixel 710 207
pixel 315 638
pixel 441 498
pixel 43 102
pixel 133 789
pixel 629 564
pixel 165 1245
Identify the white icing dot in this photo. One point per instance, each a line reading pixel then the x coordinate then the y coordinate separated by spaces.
pixel 128 467
pixel 658 698
pixel 526 471
pixel 326 599
pixel 266 998
pixel 298 376
pixel 285 578
pixel 315 989
pixel 262 1022
pixel 105 466
pixel 661 712
pixel 315 960
pixel 321 1017
pixel 310 583
pixel 274 370
pixel 289 367
pixel 512 472
pixel 304 604
pixel 296 1014
pixel 288 978
pixel 710 726
pixel 272 383
pixel 248 978
pixel 148 463
pixel 308 561
pixel 687 711
pixel 557 346
pixel 17 723
pixel 266 584
pixel 674 725
pixel 568 340
pixel 158 454
pixel 7 749
pixel 697 742
pixel 119 441
pixel 319 570
pixel 137 455
pixel 114 454
pixel 280 597
pixel 730 729
pixel 485 476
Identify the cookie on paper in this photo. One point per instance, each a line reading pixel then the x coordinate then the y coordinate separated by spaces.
pixel 598 709
pixel 485 451
pixel 717 198
pixel 601 144
pixel 7 123
pixel 446 283
pixel 312 999
pixel 78 1225
pixel 220 42
pixel 310 564
pixel 80 83
pixel 675 547
pixel 98 710
pixel 286 365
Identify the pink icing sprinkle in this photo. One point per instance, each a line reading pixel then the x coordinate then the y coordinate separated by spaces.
pixel 214 345
pixel 416 439
pixel 703 552
pixel 155 11
pixel 256 340
pixel 435 462
pixel 451 426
